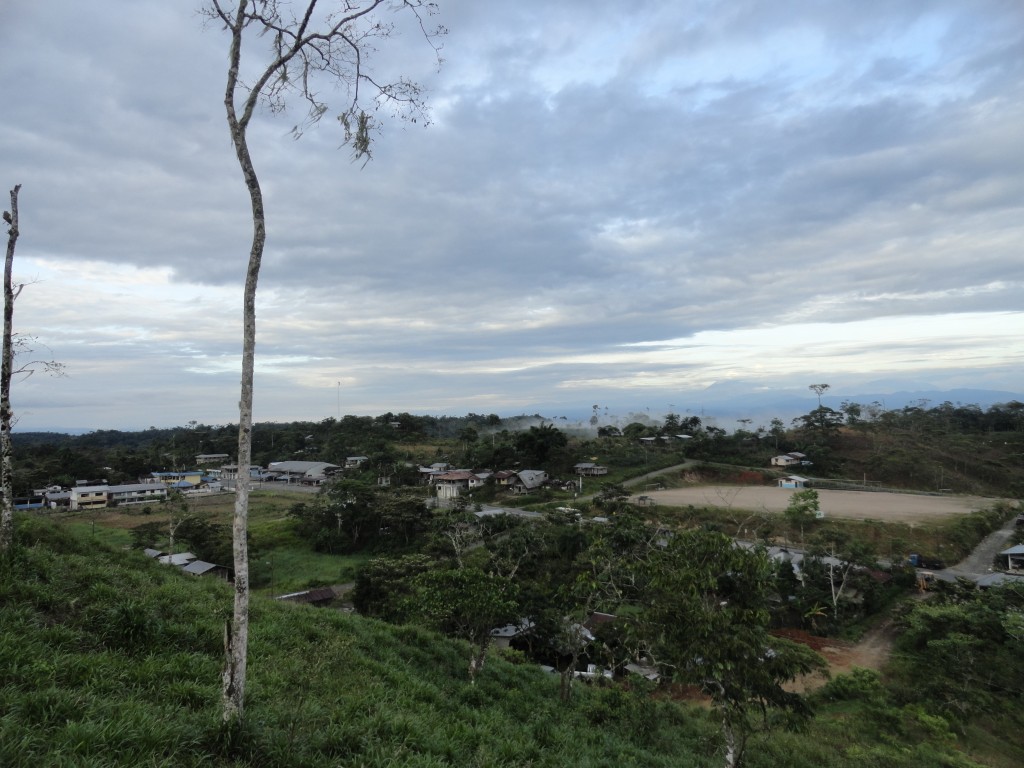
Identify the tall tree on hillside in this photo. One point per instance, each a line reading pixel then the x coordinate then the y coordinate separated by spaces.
pixel 306 43
pixel 466 603
pixel 6 369
pixel 7 373
pixel 819 390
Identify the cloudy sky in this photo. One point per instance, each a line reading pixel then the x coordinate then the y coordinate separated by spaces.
pixel 616 203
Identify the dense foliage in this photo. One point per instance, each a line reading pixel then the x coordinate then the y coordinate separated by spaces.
pixel 107 658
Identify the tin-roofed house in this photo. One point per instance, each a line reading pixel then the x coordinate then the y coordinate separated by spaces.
pixel 528 480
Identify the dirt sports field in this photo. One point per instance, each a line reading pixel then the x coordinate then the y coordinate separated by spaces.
pixel 856 505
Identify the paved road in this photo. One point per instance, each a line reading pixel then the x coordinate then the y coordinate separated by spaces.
pixel 979 563
pixel 492 511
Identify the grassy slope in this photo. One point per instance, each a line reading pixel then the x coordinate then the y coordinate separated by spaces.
pixel 983 464
pixel 107 658
pixel 111 659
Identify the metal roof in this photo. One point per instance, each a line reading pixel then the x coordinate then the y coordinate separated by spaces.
pixel 181 558
pixel 198 567
pixel 1000 579
pixel 307 468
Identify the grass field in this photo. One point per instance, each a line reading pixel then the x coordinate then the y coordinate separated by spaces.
pixel 280 561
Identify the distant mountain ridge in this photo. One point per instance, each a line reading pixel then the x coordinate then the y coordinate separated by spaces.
pixel 724 403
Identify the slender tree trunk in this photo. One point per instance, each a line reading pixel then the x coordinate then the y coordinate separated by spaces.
pixel 6 371
pixel 731 756
pixel 308 54
pixel 477 658
pixel 236 635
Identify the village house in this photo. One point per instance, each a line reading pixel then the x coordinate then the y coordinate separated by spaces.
pixel 504 477
pixel 302 472
pixel 452 484
pixel 230 471
pixel 88 496
pixel 528 480
pixel 175 479
pixel 427 474
pixel 789 459
pixel 96 496
pixel 136 493
pixel 211 458
pixel 589 469
pixel 503 637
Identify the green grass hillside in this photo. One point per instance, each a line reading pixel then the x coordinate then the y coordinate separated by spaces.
pixel 110 659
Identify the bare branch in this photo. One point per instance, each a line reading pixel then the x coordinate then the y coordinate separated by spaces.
pixel 302 47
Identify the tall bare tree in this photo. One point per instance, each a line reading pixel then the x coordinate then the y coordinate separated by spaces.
pixel 307 43
pixel 11 345
pixel 6 372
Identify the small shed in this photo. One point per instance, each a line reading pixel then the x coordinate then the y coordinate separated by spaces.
pixel 203 568
pixel 788 459
pixel 502 637
pixel 1014 557
pixel 999 579
pixel 589 469
pixel 793 481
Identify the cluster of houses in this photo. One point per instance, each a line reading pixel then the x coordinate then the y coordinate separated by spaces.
pixel 447 481
pixel 308 473
pixel 791 459
pixel 94 494
pixel 450 483
pixel 585 635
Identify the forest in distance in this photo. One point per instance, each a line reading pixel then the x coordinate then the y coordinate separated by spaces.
pixel 963 448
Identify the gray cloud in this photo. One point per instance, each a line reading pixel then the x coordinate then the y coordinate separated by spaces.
pixel 592 179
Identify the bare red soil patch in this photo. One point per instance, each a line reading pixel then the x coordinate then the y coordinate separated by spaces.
pixel 870 652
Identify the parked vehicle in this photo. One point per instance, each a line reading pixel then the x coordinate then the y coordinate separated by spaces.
pixel 921 561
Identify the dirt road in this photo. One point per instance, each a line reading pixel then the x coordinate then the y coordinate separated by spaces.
pixel 855 505
pixel 870 652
